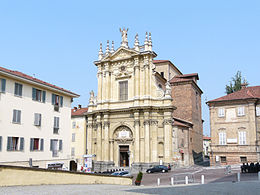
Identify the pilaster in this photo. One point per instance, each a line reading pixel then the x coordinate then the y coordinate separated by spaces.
pixel 106 138
pixel 89 134
pixel 167 136
pixel 147 137
pixel 137 136
pixel 99 138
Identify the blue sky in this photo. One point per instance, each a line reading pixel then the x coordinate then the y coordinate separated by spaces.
pixel 57 41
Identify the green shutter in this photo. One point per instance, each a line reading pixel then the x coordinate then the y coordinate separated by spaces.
pixel 21 143
pixel 42 144
pixel 60 145
pixel 0 143
pixel 61 101
pixel 21 90
pixel 31 144
pixel 51 145
pixel 9 144
pixel 53 99
pixel 3 83
pixel 43 96
pixel 33 93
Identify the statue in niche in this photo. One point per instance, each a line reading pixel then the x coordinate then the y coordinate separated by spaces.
pixel 124 37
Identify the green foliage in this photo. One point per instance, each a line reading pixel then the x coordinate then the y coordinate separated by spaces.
pixel 236 83
pixel 139 176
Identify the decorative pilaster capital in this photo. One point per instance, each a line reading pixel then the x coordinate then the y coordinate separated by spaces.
pixel 147 122
pixel 154 122
pixel 99 124
pixel 167 121
pixel 90 125
pixel 137 123
pixel 106 124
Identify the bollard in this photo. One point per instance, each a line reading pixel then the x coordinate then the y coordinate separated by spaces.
pixel 186 180
pixel 158 181
pixel 202 179
pixel 238 177
pixel 172 181
pixel 259 175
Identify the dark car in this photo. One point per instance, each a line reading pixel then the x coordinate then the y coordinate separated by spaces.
pixel 159 168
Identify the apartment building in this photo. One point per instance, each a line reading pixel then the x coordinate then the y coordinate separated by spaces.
pixel 35 121
pixel 235 127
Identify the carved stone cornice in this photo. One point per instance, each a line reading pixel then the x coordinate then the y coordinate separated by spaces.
pixel 167 122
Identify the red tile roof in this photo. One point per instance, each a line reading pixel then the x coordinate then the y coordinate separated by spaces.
pixel 184 77
pixel 78 111
pixel 246 93
pixel 25 76
pixel 206 137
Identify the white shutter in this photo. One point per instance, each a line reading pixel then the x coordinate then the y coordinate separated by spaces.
pixel 258 111
pixel 221 112
pixel 241 111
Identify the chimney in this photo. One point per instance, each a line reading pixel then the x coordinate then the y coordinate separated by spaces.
pixel 79 106
pixel 75 109
pixel 243 85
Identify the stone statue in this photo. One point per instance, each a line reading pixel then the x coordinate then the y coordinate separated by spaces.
pixel 124 37
pixel 168 90
pixel 91 98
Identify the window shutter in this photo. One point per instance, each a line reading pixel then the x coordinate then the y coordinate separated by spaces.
pixel 35 118
pixel 55 122
pixel 14 115
pixel 16 89
pixel 51 145
pixel 19 116
pixel 126 90
pixel 224 138
pixel 53 99
pixel 43 96
pixel 42 144
pixel 40 119
pixel 60 145
pixel 21 143
pixel 9 143
pixel 58 122
pixel 33 93
pixel 0 143
pixel 31 144
pixel 61 101
pixel 3 83
pixel 20 89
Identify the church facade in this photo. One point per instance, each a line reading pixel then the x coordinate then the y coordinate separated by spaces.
pixel 130 122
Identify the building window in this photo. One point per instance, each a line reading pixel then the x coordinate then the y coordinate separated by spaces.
pixel 221 112
pixel 123 90
pixel 258 111
pixel 2 85
pixel 36 144
pixel 240 111
pixel 73 137
pixel 72 151
pixel 56 125
pixel 17 116
pixel 57 100
pixel 74 124
pixel 38 95
pixel 223 159
pixel 162 74
pixel 15 143
pixel 243 159
pixel 222 138
pixel 18 89
pixel 242 137
pixel 37 119
pixel 55 146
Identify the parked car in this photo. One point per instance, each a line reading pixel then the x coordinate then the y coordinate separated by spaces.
pixel 122 173
pixel 159 168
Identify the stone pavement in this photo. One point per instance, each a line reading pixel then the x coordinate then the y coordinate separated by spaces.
pixel 227 188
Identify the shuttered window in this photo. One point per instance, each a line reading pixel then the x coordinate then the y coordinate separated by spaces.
pixel 38 95
pixel 18 89
pixel 241 111
pixel 123 90
pixel 72 151
pixel 222 138
pixel 56 125
pixel 57 100
pixel 37 119
pixel 16 116
pixel 36 144
pixel 2 85
pixel 15 143
pixel 221 112
pixel 242 137
pixel 60 145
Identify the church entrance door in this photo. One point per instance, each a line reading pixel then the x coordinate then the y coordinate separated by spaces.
pixel 124 156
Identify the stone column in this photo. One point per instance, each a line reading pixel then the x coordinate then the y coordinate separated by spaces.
pixel 89 134
pixel 106 138
pixel 99 138
pixel 137 136
pixel 146 137
pixel 167 137
pixel 154 128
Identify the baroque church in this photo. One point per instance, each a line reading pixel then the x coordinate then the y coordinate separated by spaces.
pixel 146 111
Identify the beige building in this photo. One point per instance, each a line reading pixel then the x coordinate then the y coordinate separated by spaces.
pixel 34 121
pixel 130 122
pixel 78 137
pixel 235 126
pixel 207 146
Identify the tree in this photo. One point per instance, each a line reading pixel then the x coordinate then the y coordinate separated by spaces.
pixel 236 83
